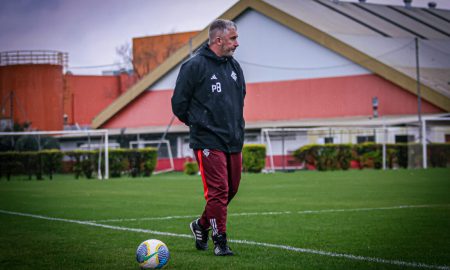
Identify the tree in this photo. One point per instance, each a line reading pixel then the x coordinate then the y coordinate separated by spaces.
pixel 125 52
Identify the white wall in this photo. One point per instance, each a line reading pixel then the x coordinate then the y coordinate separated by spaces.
pixel 269 51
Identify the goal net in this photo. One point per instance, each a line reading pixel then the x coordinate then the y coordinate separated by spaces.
pixel 398 144
pixel 165 161
pixel 65 140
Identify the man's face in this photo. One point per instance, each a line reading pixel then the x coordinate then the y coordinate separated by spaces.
pixel 228 42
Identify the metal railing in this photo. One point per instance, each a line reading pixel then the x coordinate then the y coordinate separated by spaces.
pixel 34 57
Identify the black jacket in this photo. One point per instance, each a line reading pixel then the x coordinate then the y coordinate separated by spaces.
pixel 209 98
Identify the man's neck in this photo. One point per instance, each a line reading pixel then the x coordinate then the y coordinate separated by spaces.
pixel 215 49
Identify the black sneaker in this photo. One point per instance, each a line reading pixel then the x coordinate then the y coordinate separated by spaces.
pixel 220 245
pixel 200 235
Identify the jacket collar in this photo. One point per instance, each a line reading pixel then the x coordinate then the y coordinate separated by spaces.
pixel 207 52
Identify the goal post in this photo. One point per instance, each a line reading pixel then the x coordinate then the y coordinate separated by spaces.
pixel 162 155
pixel 65 134
pixel 403 142
pixel 283 141
pixel 280 143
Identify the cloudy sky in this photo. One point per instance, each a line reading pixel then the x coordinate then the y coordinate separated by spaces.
pixel 91 30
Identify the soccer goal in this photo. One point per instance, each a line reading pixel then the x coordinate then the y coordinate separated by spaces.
pixel 403 142
pixel 280 143
pixel 67 140
pixel 165 158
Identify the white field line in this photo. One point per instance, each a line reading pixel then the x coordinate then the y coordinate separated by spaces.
pixel 279 213
pixel 245 242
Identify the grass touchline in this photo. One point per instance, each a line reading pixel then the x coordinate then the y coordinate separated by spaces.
pixel 284 247
pixel 280 213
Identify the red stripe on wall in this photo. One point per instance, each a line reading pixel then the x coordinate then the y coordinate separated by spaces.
pixel 290 100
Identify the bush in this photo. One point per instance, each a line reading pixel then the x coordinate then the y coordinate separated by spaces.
pixel 138 162
pixel 190 168
pixel 33 164
pixel 254 157
pixel 344 156
pixel 85 162
pixel 134 161
pixel 10 164
pixel 52 161
pixel 117 162
pixel 369 155
pixel 439 154
pixel 307 154
pixel 150 156
pixel 325 157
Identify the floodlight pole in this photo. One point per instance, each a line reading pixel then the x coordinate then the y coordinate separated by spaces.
pixel 419 99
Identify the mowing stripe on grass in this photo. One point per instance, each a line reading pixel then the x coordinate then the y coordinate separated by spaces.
pixel 81 222
pixel 280 213
pixel 246 242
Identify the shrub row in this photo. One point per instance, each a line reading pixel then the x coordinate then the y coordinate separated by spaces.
pixel 135 162
pixel 370 155
pixel 30 163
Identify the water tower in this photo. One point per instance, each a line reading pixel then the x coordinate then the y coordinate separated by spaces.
pixel 31 88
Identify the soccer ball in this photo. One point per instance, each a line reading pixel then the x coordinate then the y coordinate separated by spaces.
pixel 152 254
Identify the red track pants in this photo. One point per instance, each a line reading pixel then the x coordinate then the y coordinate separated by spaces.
pixel 221 175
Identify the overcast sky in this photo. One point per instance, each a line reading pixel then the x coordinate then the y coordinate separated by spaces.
pixel 91 30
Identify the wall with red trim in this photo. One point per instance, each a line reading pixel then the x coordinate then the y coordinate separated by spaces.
pixel 290 100
pixel 87 96
pixel 151 108
pixel 329 97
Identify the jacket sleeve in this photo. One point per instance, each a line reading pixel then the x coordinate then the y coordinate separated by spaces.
pixel 182 95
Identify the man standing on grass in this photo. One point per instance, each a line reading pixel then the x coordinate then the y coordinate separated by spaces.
pixel 209 98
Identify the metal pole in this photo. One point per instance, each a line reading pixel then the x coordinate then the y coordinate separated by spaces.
pixel 419 99
pixel 106 156
pixel 384 147
pixel 89 141
pixel 424 146
pixel 282 149
pixel 165 132
pixel 269 144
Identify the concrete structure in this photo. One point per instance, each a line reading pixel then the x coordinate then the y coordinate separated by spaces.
pixel 31 84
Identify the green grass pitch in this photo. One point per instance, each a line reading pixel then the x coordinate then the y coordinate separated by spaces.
pixel 365 219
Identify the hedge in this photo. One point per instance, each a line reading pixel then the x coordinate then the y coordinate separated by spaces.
pixel 30 163
pixel 135 162
pixel 370 155
pixel 190 168
pixel 254 157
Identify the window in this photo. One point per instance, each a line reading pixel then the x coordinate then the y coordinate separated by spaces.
pixel 404 138
pixel 363 139
pixel 251 138
pixel 328 140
